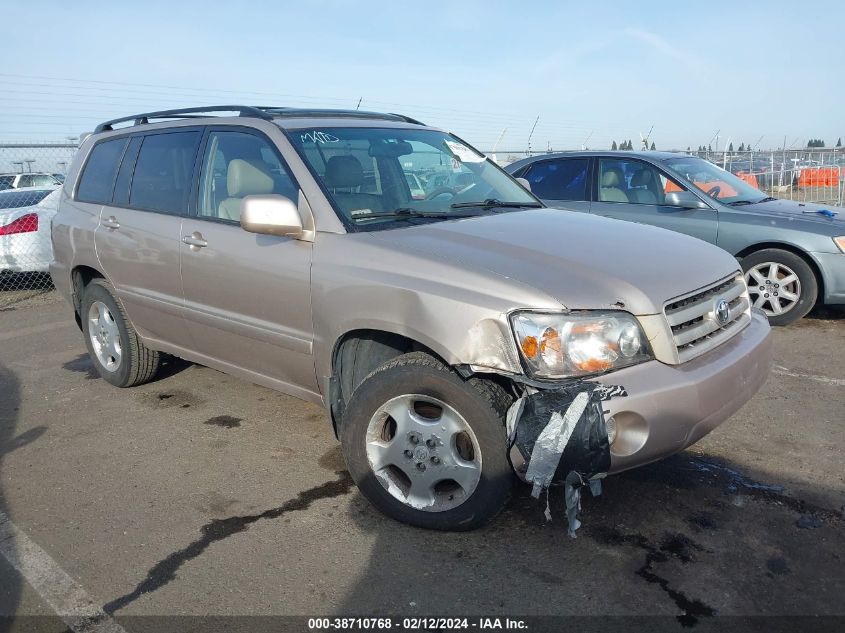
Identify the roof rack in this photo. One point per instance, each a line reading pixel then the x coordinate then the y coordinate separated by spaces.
pixel 325 112
pixel 268 113
pixel 185 113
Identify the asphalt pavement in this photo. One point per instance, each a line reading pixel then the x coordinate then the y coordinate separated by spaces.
pixel 202 495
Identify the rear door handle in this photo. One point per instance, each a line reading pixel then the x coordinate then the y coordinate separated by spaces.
pixel 195 240
pixel 111 222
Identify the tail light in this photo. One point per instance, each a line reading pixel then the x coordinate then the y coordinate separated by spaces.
pixel 25 224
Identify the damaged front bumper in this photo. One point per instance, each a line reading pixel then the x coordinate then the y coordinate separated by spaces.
pixel 670 407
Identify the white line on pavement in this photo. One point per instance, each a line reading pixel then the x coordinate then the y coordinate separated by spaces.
pixel 785 371
pixel 60 591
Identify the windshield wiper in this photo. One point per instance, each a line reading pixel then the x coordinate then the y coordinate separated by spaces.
pixel 737 203
pixel 493 203
pixel 407 212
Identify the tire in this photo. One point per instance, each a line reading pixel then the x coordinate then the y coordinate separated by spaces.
pixel 459 430
pixel 115 349
pixel 766 270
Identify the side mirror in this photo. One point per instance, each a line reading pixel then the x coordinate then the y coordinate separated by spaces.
pixel 525 184
pixel 271 215
pixel 685 200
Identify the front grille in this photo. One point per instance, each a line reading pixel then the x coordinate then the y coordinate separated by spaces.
pixel 696 328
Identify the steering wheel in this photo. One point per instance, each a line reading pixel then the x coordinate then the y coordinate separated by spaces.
pixel 714 191
pixel 439 192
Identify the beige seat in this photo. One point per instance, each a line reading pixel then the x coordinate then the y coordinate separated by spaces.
pixel 345 176
pixel 243 178
pixel 610 182
pixel 644 194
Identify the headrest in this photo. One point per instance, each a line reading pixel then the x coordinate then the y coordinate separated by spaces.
pixel 641 178
pixel 611 178
pixel 344 171
pixel 247 179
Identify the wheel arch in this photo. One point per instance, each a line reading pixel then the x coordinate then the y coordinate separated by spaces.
pixel 81 276
pixel 356 354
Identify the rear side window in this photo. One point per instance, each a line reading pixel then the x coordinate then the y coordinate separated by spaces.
pixel 564 179
pixel 97 179
pixel 163 172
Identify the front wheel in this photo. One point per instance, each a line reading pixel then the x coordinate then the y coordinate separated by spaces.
pixel 780 283
pixel 427 447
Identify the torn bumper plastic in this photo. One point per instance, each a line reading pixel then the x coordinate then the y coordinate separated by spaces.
pixel 670 407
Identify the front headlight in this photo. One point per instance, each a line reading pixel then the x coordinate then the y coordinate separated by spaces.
pixel 840 242
pixel 579 343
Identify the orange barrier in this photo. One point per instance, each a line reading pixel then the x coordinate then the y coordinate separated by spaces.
pixel 751 179
pixel 819 177
pixel 725 190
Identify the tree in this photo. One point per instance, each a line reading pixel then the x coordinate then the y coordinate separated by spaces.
pixel 709 149
pixel 688 149
pixel 839 142
pixel 652 146
pixel 731 147
pixel 613 147
pixel 741 147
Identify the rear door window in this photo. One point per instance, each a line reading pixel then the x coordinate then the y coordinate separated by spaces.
pixel 560 179
pixel 97 179
pixel 163 172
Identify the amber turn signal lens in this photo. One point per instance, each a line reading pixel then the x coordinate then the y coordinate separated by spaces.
pixel 840 242
pixel 593 365
pixel 529 346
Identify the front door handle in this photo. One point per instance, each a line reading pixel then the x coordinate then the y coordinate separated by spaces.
pixel 195 240
pixel 111 222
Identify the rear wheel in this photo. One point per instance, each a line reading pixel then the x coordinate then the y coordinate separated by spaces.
pixel 780 283
pixel 115 349
pixel 427 447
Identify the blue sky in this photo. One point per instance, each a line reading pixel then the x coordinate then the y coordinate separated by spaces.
pixel 592 72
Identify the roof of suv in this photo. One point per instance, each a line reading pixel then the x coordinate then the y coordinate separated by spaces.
pixel 283 116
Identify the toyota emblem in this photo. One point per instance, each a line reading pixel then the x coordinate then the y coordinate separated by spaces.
pixel 722 311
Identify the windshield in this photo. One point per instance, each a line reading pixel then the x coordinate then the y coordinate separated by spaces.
pixel 377 177
pixel 714 181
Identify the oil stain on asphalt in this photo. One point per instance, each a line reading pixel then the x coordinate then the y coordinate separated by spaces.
pixel 219 529
pixel 224 421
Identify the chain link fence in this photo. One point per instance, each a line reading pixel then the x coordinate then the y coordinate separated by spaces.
pixel 30 177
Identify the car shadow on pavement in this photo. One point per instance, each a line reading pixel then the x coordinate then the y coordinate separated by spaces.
pixel 10 582
pixel 827 313
pixel 686 539
pixel 170 366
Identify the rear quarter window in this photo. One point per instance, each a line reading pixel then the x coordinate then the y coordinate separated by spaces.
pixel 97 180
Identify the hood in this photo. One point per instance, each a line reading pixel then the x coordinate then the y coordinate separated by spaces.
pixel 795 210
pixel 583 261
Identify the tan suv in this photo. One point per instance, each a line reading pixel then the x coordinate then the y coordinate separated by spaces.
pixel 285 247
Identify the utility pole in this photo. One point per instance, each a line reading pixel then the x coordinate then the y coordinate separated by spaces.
pixel 29 162
pixel 359 103
pixel 533 127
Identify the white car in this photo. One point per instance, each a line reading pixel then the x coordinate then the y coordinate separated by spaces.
pixel 21 181
pixel 25 216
